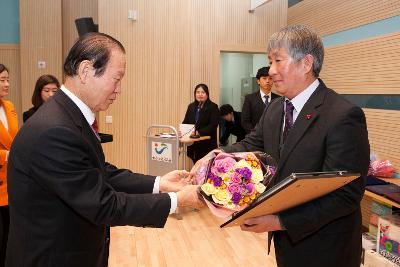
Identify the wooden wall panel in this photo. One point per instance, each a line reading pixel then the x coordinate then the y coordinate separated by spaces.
pixel 9 56
pixel 170 48
pixel 383 129
pixel 41 39
pixel 328 17
pixel 71 10
pixel 367 67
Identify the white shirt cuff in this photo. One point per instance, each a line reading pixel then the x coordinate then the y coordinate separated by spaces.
pixel 174 202
pixel 156 188
pixel 172 195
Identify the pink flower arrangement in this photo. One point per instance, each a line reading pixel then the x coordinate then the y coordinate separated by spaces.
pixel 230 182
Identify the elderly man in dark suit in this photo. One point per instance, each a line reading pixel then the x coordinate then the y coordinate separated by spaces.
pixel 255 103
pixel 310 129
pixel 63 195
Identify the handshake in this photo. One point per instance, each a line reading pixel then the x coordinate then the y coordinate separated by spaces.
pixel 181 182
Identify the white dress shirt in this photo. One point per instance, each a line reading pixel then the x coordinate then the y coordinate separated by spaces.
pixel 262 97
pixel 90 116
pixel 300 100
pixel 3 117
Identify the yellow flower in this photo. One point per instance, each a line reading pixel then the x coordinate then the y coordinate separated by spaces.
pixel 260 188
pixel 221 197
pixel 209 189
pixel 257 176
pixel 225 177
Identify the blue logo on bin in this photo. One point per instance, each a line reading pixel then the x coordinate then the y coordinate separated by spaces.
pixel 160 150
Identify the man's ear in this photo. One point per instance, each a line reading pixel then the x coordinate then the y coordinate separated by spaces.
pixel 83 70
pixel 308 62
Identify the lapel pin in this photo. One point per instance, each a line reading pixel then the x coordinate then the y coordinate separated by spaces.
pixel 308 116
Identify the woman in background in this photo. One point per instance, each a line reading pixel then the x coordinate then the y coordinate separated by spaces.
pixel 204 114
pixel 8 130
pixel 45 87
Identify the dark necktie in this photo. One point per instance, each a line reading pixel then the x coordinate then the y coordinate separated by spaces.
pixel 95 127
pixel 288 119
pixel 266 100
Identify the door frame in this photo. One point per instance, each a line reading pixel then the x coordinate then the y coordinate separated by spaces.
pixel 216 73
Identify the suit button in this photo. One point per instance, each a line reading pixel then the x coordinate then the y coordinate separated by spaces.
pixel 107 240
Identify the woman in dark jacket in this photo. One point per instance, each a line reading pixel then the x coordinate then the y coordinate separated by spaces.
pixel 45 87
pixel 204 114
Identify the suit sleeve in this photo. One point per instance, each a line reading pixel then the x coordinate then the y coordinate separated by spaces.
pixel 254 141
pixel 123 180
pixel 347 148
pixel 246 115
pixel 213 121
pixel 74 176
pixel 226 133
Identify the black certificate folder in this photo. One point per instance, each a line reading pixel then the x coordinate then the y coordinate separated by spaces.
pixel 294 190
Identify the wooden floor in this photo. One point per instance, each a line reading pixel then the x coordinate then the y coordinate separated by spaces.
pixel 196 240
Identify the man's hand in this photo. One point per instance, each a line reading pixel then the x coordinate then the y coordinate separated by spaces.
pixel 189 197
pixel 262 224
pixel 175 181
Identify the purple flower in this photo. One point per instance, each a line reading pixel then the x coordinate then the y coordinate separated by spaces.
pixel 212 176
pixel 245 173
pixel 250 188
pixel 217 181
pixel 236 198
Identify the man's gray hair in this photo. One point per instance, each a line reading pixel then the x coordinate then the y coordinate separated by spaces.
pixel 299 41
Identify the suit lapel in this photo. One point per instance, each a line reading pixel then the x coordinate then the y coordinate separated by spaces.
pixel 307 117
pixel 275 115
pixel 259 102
pixel 79 120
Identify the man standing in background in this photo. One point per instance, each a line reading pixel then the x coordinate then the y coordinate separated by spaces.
pixel 255 103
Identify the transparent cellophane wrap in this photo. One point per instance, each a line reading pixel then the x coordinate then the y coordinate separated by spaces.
pixel 232 181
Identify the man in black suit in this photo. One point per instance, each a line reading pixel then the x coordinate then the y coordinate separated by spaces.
pixel 255 103
pixel 310 129
pixel 63 195
pixel 231 125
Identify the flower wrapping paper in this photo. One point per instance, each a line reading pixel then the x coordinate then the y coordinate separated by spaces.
pixel 231 181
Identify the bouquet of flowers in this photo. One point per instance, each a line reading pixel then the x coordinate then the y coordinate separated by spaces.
pixel 231 181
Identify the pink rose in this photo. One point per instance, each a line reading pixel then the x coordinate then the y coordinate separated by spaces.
pixel 223 165
pixel 235 178
pixel 234 188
